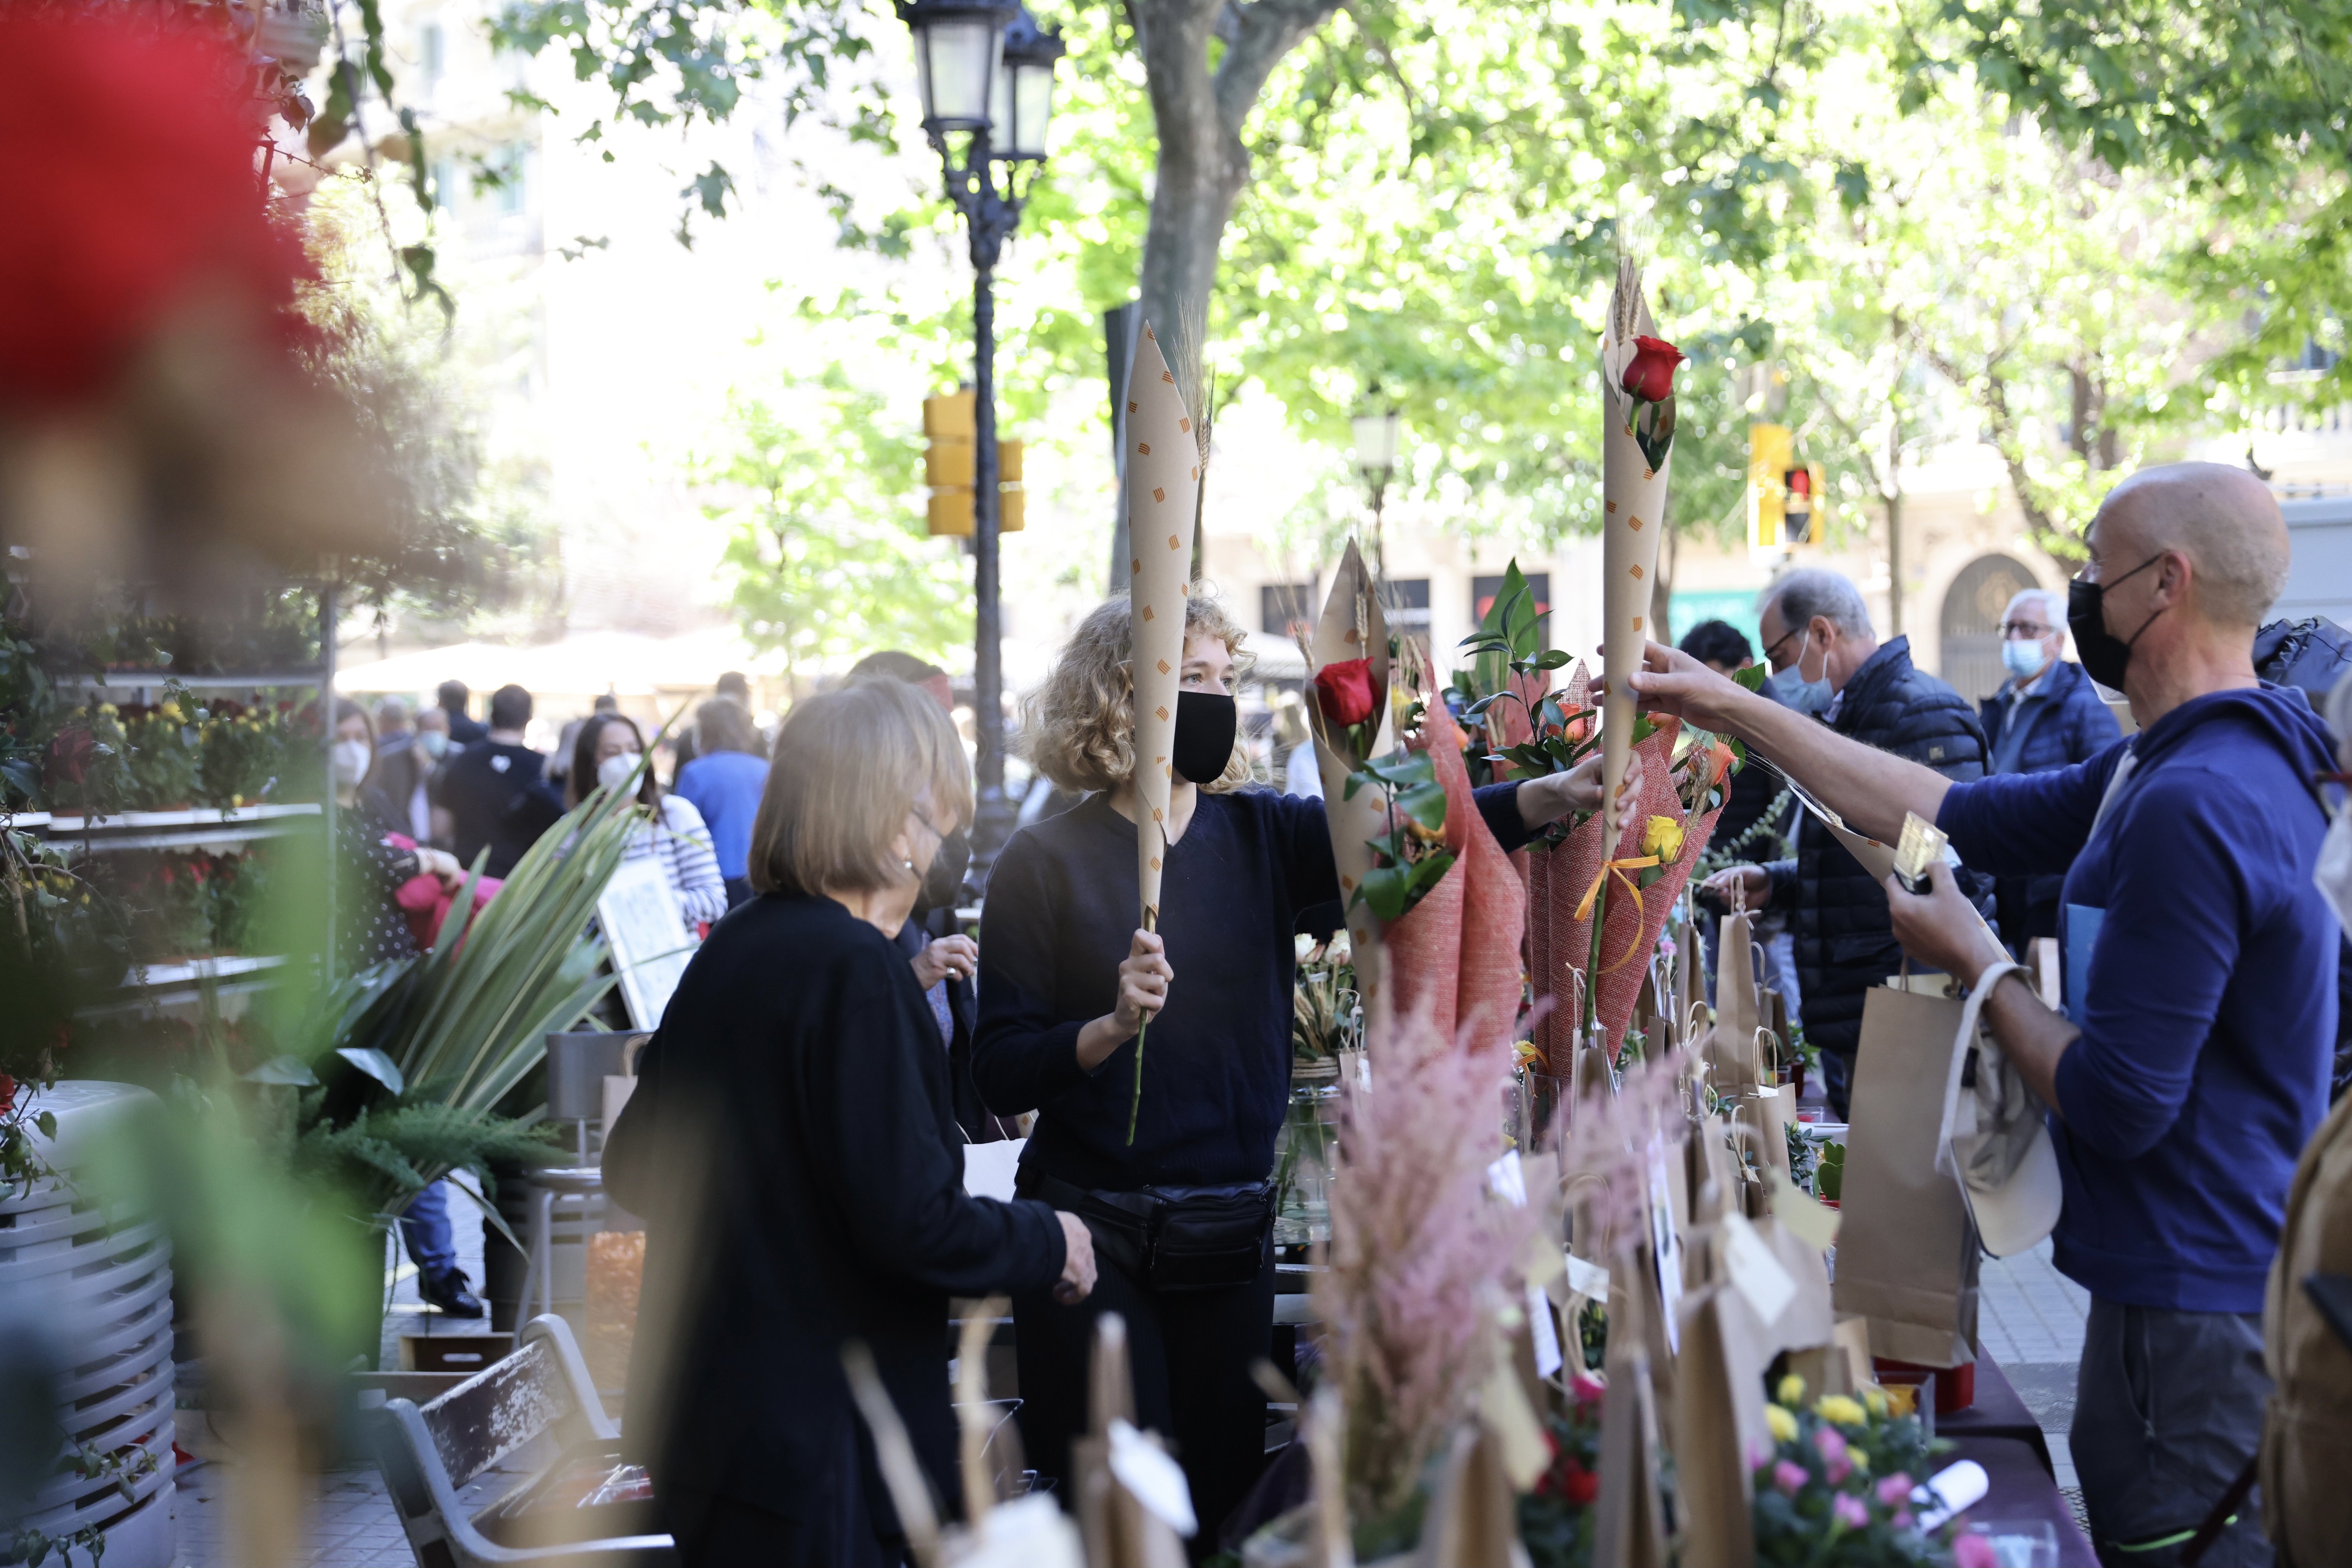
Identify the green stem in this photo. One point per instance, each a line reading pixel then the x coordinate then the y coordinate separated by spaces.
pixel 1592 960
pixel 1135 1106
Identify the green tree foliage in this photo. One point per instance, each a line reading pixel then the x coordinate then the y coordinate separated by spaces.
pixel 820 487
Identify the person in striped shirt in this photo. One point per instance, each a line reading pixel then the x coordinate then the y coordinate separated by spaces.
pixel 608 750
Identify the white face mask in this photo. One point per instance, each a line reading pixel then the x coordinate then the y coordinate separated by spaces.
pixel 2022 657
pixel 615 771
pixel 351 759
pixel 2333 872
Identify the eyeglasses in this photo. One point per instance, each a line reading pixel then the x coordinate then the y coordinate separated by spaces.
pixel 2034 629
pixel 1773 652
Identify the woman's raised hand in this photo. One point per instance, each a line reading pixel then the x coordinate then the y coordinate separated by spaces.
pixel 956 957
pixel 1143 982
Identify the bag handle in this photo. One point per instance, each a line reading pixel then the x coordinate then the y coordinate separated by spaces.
pixel 1969 1014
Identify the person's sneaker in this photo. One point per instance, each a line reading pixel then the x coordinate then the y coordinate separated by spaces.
pixel 450 1292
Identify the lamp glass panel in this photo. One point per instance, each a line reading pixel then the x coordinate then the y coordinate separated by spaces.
pixel 956 57
pixel 1033 106
pixel 1376 440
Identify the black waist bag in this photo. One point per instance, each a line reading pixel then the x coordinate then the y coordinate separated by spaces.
pixel 1208 1243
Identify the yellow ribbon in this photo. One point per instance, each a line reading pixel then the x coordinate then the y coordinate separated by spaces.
pixel 1620 867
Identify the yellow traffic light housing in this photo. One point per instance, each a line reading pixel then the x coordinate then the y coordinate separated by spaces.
pixel 950 471
pixel 1785 499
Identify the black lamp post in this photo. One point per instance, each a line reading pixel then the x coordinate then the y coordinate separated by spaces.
pixel 987 78
pixel 1377 425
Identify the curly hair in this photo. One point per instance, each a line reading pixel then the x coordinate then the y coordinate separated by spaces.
pixel 1078 729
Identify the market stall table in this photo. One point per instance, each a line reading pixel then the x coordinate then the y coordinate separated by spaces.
pixel 2019 1489
pixel 1997 1412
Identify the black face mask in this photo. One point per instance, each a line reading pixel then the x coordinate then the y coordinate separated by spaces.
pixel 1205 726
pixel 943 883
pixel 2105 654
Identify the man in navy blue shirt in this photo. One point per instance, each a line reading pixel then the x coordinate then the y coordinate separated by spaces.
pixel 2191 1065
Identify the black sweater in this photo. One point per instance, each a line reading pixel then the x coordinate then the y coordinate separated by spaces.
pixel 1061 912
pixel 792 1151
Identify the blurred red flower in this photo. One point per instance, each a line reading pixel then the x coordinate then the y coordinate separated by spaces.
pixel 129 170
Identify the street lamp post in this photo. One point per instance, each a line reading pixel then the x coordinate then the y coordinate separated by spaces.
pixel 1378 425
pixel 986 72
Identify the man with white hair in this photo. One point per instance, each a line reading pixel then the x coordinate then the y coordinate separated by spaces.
pixel 2046 715
pixel 2190 1066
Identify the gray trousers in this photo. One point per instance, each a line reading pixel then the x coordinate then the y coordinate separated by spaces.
pixel 2168 1409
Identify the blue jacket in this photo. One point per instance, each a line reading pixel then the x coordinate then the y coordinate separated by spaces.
pixel 2061 721
pixel 2200 964
pixel 1845 937
pixel 726 787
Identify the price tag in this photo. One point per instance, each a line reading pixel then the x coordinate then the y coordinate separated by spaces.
pixel 1587 1279
pixel 1151 1478
pixel 1543 1330
pixel 1755 1272
pixel 1808 1221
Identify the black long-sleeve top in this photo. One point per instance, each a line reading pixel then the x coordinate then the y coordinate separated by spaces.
pixel 1061 912
pixel 791 1148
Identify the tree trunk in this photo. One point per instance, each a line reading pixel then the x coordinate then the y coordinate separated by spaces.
pixel 1204 166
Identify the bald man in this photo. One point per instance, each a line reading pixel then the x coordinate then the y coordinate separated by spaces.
pixel 2190 1064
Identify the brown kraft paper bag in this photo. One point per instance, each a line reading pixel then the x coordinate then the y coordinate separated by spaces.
pixel 1906 1252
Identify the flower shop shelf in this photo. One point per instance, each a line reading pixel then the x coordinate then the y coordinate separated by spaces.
pixel 128 680
pixel 216 830
pixel 157 986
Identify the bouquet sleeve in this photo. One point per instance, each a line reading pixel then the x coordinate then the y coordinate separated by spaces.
pixel 1636 444
pixel 1351 629
pixel 1454 956
pixel 1163 475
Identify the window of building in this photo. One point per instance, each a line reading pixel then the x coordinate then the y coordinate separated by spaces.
pixel 1286 610
pixel 1406 605
pixel 1483 589
pixel 432 54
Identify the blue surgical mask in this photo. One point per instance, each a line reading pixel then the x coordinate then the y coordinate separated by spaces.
pixel 2022 657
pixel 1795 691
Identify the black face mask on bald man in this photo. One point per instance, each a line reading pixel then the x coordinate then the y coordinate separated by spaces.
pixel 1205 726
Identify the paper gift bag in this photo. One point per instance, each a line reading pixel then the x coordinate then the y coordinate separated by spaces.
pixel 1738 1014
pixel 1629 1518
pixel 1473 1518
pixel 1719 1422
pixel 1907 1254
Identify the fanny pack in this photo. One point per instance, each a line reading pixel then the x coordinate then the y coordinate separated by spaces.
pixel 1174 1243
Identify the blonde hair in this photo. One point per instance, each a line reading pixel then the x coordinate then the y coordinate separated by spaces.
pixel 849 767
pixel 1078 729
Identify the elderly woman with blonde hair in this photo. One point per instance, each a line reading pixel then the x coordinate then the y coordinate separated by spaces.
pixel 791 1148
pixel 1182 1215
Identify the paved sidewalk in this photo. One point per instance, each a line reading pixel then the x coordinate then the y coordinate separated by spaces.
pixel 2030 1318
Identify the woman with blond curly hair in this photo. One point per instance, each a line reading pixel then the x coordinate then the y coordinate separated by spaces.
pixel 1182 1216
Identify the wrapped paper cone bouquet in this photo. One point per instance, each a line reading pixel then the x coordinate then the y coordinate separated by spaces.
pixel 1428 889
pixel 1163 480
pixel 1637 435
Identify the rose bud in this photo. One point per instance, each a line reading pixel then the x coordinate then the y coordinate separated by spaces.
pixel 1650 374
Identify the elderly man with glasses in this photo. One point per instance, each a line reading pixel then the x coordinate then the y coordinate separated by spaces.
pixel 2047 715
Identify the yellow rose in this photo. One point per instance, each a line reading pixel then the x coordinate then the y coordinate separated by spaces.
pixel 169 710
pixel 1861 1460
pixel 1791 1391
pixel 1783 1424
pixel 1875 1397
pixel 1837 1407
pixel 1663 837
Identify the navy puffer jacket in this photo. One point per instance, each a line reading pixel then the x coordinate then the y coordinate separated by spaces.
pixel 1845 941
pixel 2065 723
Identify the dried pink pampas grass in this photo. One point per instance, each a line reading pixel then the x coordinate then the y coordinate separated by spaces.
pixel 1421 1250
pixel 1606 1154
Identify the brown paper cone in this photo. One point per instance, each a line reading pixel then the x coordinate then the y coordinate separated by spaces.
pixel 1163 482
pixel 1352 628
pixel 1634 506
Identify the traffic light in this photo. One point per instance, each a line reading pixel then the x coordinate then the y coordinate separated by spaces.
pixel 1797 506
pixel 949 469
pixel 1785 509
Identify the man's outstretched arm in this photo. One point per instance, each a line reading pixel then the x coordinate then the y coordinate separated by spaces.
pixel 1870 788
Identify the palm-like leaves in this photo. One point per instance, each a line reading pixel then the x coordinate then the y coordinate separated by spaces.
pixel 461 1026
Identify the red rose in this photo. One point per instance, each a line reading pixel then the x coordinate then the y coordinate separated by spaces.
pixel 70 755
pixel 1344 690
pixel 7 1091
pixel 1579 1485
pixel 1651 375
